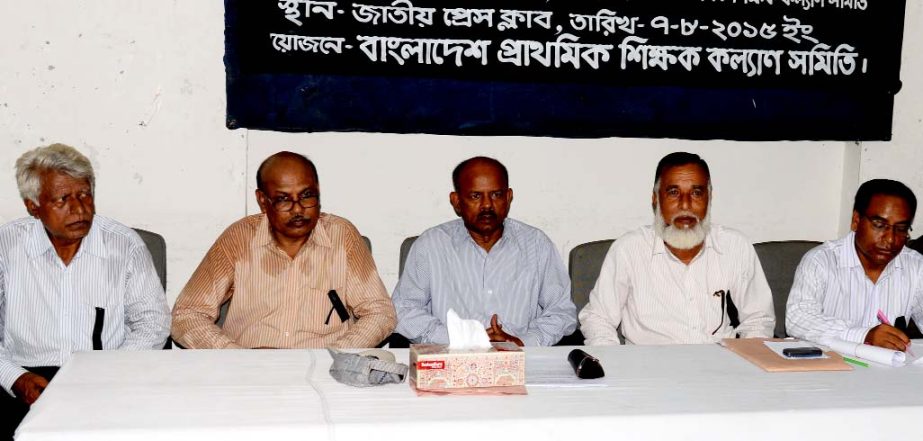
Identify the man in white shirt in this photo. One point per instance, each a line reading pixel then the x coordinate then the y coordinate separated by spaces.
pixel 841 286
pixel 70 280
pixel 682 279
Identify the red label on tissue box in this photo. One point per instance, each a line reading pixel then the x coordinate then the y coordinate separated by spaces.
pixel 430 364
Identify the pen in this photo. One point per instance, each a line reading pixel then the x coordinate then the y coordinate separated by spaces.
pixel 883 318
pixel 884 321
pixel 855 362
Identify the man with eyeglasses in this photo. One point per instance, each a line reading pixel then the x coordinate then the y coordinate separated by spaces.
pixel 681 280
pixel 865 287
pixel 485 267
pixel 295 277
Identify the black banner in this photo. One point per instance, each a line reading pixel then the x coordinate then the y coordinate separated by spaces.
pixel 700 69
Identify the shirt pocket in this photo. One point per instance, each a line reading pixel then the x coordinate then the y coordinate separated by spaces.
pixel 102 313
pixel 316 310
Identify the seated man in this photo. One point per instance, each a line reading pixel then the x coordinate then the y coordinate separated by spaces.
pixel 298 278
pixel 841 286
pixel 70 280
pixel 681 280
pixel 499 271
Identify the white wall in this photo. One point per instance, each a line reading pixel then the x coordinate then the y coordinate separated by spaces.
pixel 139 87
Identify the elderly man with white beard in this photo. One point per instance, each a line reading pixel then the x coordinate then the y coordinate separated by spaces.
pixel 681 280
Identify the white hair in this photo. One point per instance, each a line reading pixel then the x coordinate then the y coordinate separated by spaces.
pixel 55 157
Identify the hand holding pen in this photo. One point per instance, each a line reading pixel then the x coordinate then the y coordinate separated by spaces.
pixel 887 336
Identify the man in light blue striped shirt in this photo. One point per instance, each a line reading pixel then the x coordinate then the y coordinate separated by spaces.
pixel 865 287
pixel 69 281
pixel 499 271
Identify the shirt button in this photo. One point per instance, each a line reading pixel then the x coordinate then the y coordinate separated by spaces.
pixel 286 334
pixel 490 291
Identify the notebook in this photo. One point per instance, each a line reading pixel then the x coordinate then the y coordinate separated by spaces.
pixel 754 351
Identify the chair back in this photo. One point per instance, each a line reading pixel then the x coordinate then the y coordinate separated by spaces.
pixel 368 243
pixel 405 250
pixel 397 340
pixel 157 246
pixel 780 260
pixel 584 264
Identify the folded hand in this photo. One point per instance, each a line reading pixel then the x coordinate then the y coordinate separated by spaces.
pixel 29 386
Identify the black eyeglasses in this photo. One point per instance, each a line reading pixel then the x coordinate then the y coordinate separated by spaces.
pixel 882 227
pixel 285 203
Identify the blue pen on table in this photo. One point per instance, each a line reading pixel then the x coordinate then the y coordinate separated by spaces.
pixel 884 321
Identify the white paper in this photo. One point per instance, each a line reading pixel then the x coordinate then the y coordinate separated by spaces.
pixel 555 372
pixel 916 348
pixel 779 346
pixel 914 356
pixel 868 352
pixel 465 334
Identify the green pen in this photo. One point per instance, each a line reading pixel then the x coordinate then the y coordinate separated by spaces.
pixel 855 362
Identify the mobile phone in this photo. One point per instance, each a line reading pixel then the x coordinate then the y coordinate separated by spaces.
pixel 805 352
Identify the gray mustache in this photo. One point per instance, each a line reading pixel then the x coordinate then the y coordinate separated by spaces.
pixel 684 214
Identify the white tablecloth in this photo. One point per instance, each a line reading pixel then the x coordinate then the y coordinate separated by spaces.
pixel 652 392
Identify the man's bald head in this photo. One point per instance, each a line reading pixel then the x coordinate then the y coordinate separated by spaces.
pixel 468 164
pixel 282 158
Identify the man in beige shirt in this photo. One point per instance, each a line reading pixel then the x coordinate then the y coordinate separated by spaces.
pixel 280 269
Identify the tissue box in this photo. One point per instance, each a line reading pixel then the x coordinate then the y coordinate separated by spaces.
pixel 435 367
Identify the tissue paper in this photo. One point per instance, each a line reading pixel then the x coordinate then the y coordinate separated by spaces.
pixel 465 334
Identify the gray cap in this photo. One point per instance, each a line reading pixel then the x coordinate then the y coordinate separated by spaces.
pixel 369 368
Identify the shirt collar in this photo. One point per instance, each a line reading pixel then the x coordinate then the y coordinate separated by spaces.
pixel 38 239
pixel 849 257
pixel 94 244
pixel 39 243
pixel 263 237
pixel 460 234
